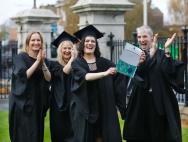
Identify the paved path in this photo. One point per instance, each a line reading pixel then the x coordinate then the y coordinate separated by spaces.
pixel 3 104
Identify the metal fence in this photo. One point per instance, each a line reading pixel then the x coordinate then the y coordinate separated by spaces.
pixel 6 55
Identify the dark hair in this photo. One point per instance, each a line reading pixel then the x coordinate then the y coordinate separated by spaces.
pixel 97 52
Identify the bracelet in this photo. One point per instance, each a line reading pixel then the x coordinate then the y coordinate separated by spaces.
pixel 44 67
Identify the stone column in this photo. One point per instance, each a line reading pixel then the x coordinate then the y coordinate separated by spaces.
pixel 40 20
pixel 106 15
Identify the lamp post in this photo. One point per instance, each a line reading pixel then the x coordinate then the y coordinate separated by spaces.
pixel 34 4
pixel 0 59
pixel 135 41
pixel 185 42
pixel 145 12
pixel 111 45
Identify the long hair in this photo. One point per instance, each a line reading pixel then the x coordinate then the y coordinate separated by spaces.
pixel 28 38
pixel 59 52
pixel 97 52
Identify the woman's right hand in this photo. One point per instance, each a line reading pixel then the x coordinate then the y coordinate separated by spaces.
pixel 142 58
pixel 39 56
pixel 74 53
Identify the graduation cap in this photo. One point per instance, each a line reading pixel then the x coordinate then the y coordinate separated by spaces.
pixel 89 30
pixel 64 36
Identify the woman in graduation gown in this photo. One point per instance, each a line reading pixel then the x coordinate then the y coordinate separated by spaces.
pixel 97 90
pixel 153 114
pixel 28 100
pixel 60 123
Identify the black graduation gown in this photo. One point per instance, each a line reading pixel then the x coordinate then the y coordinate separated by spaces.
pixel 60 123
pixel 153 114
pixel 94 102
pixel 28 101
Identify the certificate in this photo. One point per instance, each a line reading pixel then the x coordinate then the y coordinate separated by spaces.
pixel 129 59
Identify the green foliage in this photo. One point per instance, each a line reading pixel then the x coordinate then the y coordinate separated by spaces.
pixel 72 19
pixel 134 19
pixel 178 11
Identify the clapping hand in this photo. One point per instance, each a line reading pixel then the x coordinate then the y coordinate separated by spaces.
pixel 169 41
pixel 142 58
pixel 154 44
pixel 74 53
pixel 41 56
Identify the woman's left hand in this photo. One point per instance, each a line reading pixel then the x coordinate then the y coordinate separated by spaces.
pixel 111 71
pixel 43 55
pixel 154 44
pixel 170 40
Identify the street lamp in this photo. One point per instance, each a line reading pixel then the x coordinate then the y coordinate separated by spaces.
pixel 0 59
pixel 145 11
pixel 111 45
pixel 34 4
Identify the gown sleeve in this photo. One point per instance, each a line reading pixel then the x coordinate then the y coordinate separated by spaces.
pixel 57 83
pixel 19 77
pixel 79 71
pixel 120 89
pixel 174 73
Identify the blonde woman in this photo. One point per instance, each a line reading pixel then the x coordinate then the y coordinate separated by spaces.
pixel 29 94
pixel 60 123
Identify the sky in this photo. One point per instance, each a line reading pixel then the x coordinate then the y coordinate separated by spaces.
pixel 9 8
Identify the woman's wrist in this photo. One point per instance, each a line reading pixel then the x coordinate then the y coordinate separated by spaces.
pixel 167 50
pixel 104 74
pixel 44 67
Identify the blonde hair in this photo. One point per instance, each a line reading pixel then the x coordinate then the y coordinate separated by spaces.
pixel 28 38
pixel 59 52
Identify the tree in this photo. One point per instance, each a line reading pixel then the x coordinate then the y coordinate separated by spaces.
pixel 134 19
pixel 179 11
pixel 72 19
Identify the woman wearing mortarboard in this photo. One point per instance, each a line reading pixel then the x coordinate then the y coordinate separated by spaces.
pixel 60 123
pixel 97 90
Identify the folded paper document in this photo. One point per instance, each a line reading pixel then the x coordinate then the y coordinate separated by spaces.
pixel 129 59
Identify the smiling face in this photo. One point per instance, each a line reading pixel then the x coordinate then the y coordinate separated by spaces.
pixel 144 40
pixel 64 52
pixel 66 49
pixel 34 42
pixel 145 37
pixel 89 45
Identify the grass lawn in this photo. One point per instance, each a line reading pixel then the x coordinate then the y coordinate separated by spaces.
pixel 4 135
